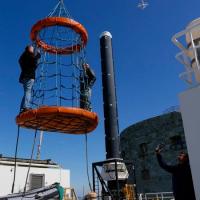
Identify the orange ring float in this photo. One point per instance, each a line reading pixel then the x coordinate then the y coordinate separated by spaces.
pixel 59 119
pixel 60 21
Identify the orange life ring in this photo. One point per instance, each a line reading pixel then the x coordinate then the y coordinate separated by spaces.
pixel 59 119
pixel 61 21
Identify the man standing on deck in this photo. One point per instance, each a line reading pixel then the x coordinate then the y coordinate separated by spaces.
pixel 28 62
pixel 182 183
pixel 87 80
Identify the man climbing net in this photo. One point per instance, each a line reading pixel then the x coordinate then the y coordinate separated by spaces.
pixel 28 62
pixel 87 80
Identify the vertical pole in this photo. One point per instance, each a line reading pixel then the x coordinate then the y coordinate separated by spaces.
pixel 135 183
pixel 40 145
pixel 109 97
pixel 93 177
pixel 16 151
pixel 117 180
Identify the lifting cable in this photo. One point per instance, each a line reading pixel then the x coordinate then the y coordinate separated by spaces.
pixel 87 162
pixel 16 151
pixel 31 159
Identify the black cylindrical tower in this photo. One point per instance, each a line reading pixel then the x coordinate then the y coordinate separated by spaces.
pixel 109 97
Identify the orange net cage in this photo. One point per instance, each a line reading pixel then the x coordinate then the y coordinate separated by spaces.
pixel 56 97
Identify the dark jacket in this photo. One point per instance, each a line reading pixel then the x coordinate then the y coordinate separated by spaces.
pixel 89 77
pixel 87 80
pixel 182 183
pixel 28 63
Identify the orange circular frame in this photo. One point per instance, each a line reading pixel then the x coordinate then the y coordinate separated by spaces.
pixel 59 119
pixel 60 21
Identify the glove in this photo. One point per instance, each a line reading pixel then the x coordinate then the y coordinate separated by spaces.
pixel 159 148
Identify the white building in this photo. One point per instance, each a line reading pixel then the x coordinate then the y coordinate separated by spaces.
pixel 42 173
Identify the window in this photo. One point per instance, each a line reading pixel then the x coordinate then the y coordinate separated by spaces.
pixel 176 142
pixel 37 181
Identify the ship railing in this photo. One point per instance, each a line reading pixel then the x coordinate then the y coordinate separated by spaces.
pixel 156 196
pixel 188 55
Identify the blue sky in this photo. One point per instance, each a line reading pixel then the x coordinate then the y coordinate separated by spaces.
pixel 146 70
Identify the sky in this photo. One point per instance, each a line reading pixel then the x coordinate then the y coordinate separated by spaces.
pixel 146 70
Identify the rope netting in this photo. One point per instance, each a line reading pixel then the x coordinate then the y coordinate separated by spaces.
pixel 58 80
pixel 58 77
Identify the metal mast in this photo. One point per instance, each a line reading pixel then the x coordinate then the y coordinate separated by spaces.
pixel 109 97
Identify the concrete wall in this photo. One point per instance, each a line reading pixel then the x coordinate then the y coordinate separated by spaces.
pixel 138 143
pixel 52 175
